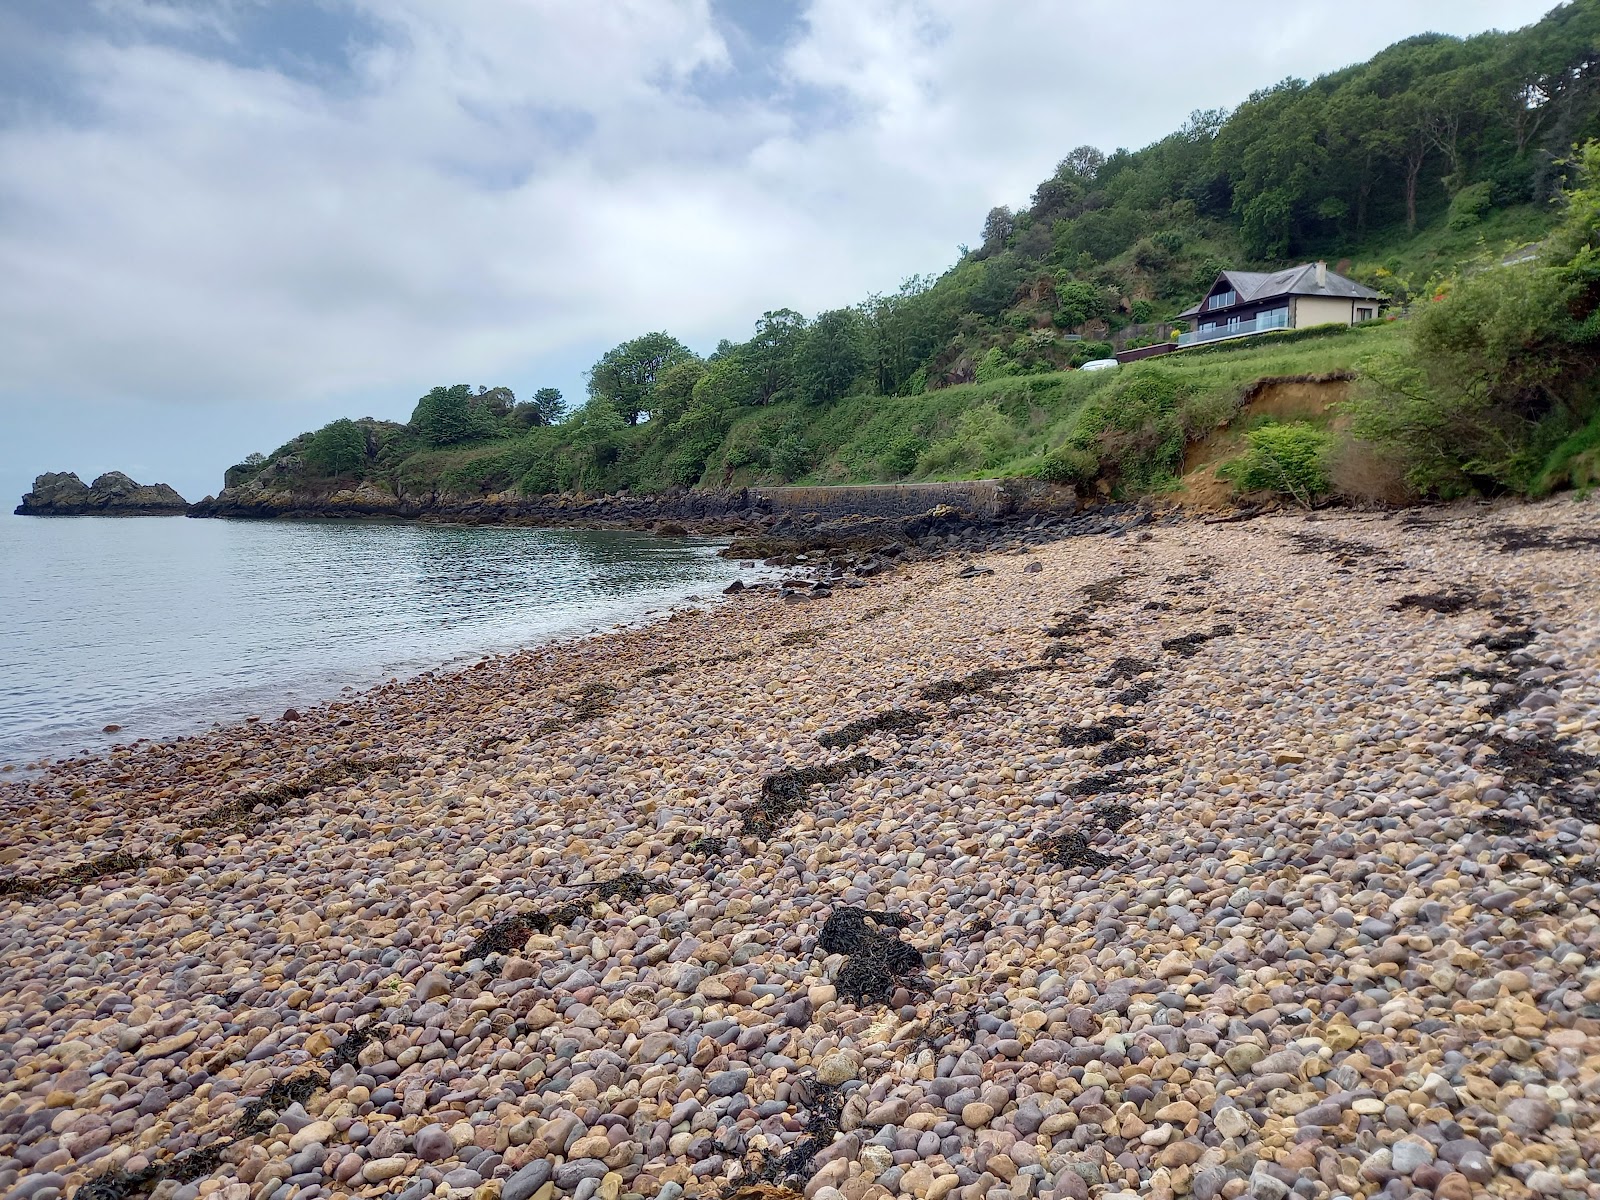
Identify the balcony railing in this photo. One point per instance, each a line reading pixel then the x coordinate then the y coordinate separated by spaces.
pixel 1278 318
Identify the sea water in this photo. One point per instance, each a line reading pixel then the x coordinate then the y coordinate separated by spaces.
pixel 164 625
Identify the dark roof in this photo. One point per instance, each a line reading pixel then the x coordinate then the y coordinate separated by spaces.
pixel 1293 281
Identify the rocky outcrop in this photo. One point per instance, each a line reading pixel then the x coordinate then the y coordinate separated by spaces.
pixel 705 511
pixel 63 494
pixel 277 493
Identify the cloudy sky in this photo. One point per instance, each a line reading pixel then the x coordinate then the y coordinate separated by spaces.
pixel 226 221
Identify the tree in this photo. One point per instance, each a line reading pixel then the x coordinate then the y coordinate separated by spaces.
pixel 448 416
pixel 772 353
pixel 830 357
pixel 338 448
pixel 550 405
pixel 595 433
pixel 997 227
pixel 625 377
pixel 497 401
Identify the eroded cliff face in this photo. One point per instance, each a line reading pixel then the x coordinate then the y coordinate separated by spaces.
pixel 63 494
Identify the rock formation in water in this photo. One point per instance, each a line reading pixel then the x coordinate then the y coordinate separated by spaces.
pixel 63 494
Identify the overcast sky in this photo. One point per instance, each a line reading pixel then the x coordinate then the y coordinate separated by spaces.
pixel 226 221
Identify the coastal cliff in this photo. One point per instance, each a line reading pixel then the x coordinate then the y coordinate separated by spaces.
pixel 63 494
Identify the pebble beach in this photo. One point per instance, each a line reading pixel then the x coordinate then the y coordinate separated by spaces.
pixel 1209 859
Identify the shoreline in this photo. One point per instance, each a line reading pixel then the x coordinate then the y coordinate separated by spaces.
pixel 1209 884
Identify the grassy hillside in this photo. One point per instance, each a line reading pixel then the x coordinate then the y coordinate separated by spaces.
pixel 1424 164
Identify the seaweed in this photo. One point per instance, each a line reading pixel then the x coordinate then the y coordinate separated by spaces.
pixel 784 793
pixel 115 863
pixel 1111 817
pixel 1072 849
pixel 896 720
pixel 767 1179
pixel 978 681
pixel 1076 736
pixel 239 809
pixel 878 960
pixel 666 668
pixel 1109 590
pixel 1124 666
pixel 348 1052
pixel 1448 602
pixel 1122 749
pixel 260 1113
pixel 803 637
pixel 1097 785
pixel 1343 551
pixel 630 885
pixel 1188 645
pixel 1136 694
pixel 1507 641
pixel 1510 537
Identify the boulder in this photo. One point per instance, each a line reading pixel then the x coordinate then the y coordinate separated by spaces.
pixel 63 494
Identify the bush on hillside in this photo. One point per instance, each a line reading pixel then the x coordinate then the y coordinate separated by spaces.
pixel 338 448
pixel 1289 460
pixel 1501 368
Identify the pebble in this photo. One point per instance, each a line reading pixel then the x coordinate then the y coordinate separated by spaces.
pixel 1308 954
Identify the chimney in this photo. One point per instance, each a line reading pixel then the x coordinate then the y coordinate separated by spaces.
pixel 1322 274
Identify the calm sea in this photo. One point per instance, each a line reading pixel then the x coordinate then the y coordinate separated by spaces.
pixel 164 625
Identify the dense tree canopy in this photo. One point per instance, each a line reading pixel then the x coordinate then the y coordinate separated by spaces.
pixel 625 377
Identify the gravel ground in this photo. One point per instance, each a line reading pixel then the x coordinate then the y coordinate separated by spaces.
pixel 1207 860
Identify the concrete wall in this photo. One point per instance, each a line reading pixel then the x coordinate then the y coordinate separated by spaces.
pixel 1321 310
pixel 985 497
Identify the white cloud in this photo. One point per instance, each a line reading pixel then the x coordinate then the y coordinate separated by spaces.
pixel 496 185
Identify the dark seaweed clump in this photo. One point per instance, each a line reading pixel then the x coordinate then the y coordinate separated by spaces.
pixel 1188 645
pixel 1122 749
pixel 1343 551
pixel 1506 641
pixel 878 959
pixel 1112 817
pixel 1107 591
pixel 95 869
pixel 1511 538
pixel 1097 785
pixel 238 810
pixel 260 1114
pixel 1138 693
pixel 510 934
pixel 711 846
pixel 594 700
pixel 784 794
pixel 978 681
pixel 1545 763
pixel 630 885
pixel 1076 736
pixel 348 1052
pixel 895 720
pixel 766 1181
pixel 1448 602
pixel 1124 666
pixel 1072 849
pixel 666 668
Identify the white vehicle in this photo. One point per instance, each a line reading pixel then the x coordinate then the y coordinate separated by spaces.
pixel 1100 364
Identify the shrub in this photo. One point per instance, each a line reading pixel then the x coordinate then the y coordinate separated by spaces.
pixel 1066 464
pixel 901 456
pixel 791 457
pixel 1469 205
pixel 1289 459
pixel 338 448
pixel 1134 428
pixel 1142 312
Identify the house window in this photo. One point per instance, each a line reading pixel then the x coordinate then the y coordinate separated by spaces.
pixel 1223 299
pixel 1363 314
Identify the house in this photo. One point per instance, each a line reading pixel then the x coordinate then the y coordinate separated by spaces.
pixel 1245 302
